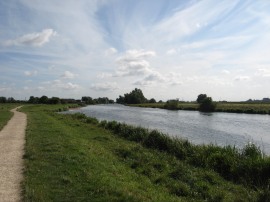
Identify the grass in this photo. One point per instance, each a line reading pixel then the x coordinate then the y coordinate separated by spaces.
pixel 76 158
pixel 231 107
pixel 181 105
pixel 250 108
pixel 5 113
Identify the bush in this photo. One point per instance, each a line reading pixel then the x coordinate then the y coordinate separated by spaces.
pixel 171 104
pixel 207 105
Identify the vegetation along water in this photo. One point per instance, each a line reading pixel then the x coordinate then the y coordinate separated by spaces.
pixel 198 127
pixel 71 157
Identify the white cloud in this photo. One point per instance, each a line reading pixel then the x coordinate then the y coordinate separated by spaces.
pixel 242 78
pixel 191 19
pixel 153 78
pixel 58 85
pixel 104 75
pixel 133 68
pixel 134 63
pixel 108 86
pixel 2 89
pixel 263 72
pixel 30 73
pixel 40 88
pixel 174 79
pixel 69 86
pixel 32 39
pixel 225 72
pixel 171 52
pixel 110 51
pixel 157 78
pixel 133 55
pixel 68 75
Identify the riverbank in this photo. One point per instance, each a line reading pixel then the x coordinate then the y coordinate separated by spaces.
pixel 78 158
pixel 229 107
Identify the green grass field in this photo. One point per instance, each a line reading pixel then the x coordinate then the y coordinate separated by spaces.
pixel 72 158
pixel 5 113
pixel 231 107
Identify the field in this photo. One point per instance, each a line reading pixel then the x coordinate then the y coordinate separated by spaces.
pixel 231 107
pixel 75 158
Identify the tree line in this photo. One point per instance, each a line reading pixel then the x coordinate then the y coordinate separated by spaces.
pixel 56 100
pixel 7 100
pixel 134 97
pixel 100 100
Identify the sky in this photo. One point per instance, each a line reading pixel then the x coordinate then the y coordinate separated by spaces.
pixel 104 48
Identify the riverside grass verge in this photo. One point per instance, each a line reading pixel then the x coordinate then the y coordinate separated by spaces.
pixel 230 107
pixel 77 158
pixel 5 113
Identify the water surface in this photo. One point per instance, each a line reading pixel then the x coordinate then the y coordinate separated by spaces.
pixel 199 128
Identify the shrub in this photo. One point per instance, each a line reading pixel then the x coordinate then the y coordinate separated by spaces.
pixel 251 151
pixel 158 141
pixel 207 105
pixel 92 120
pixel 171 104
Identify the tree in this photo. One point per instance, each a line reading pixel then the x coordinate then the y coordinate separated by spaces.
pixel 33 100
pixel 54 100
pixel 11 100
pixel 44 99
pixel 201 97
pixel 120 100
pixel 207 105
pixel 152 100
pixel 88 100
pixel 134 97
pixel 3 99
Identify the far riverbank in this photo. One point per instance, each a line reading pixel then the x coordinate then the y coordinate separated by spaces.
pixel 229 107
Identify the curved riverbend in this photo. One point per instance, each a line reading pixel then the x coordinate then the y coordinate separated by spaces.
pixel 199 128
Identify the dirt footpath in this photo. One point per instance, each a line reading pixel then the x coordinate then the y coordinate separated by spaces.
pixel 12 139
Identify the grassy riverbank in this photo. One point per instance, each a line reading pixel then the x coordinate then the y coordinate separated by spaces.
pixel 75 158
pixel 231 107
pixel 5 113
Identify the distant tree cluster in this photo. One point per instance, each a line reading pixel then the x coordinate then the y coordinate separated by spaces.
pixel 263 100
pixel 206 103
pixel 100 100
pixel 7 100
pixel 134 97
pixel 53 100
pixel 44 100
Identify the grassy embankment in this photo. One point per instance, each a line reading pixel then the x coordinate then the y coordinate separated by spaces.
pixel 5 113
pixel 232 107
pixel 75 158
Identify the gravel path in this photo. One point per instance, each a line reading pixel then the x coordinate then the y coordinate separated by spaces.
pixel 12 139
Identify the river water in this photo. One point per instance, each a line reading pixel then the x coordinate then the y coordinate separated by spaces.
pixel 199 128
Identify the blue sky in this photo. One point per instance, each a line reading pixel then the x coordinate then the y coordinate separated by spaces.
pixel 169 49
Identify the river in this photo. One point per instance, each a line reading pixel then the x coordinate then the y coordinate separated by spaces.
pixel 199 128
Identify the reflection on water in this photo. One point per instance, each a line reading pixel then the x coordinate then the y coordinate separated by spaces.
pixel 197 127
